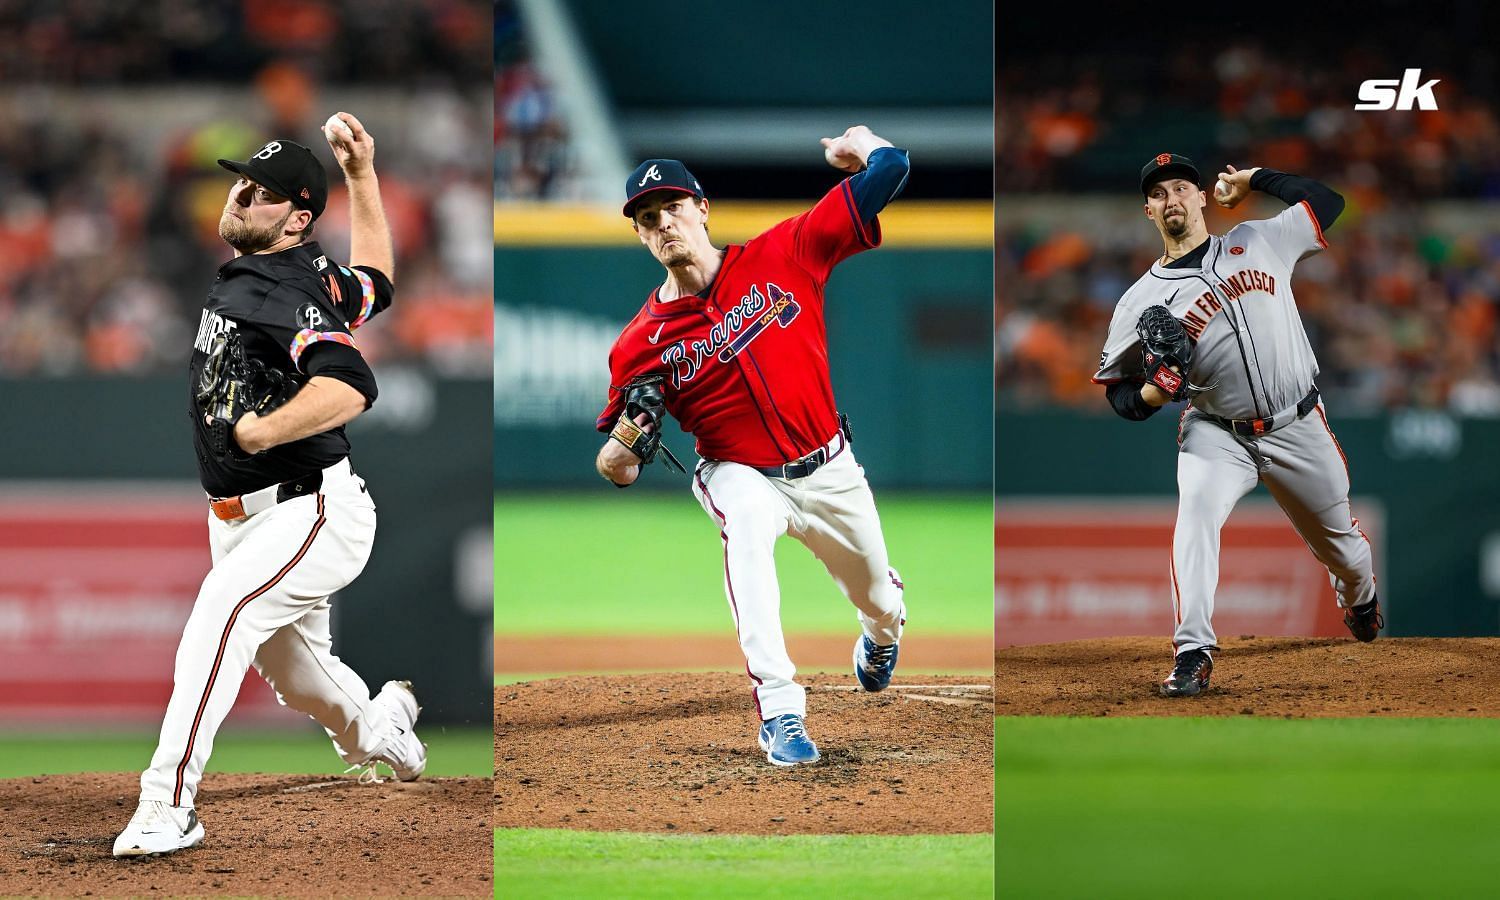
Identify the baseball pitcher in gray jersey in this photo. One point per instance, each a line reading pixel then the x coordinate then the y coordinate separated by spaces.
pixel 1235 348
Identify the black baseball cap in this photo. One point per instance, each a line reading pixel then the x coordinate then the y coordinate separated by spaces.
pixel 289 169
pixel 1168 165
pixel 659 175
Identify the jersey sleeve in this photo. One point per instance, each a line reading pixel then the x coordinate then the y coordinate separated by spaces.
pixel 1121 358
pixel 359 294
pixel 829 233
pixel 1293 233
pixel 344 363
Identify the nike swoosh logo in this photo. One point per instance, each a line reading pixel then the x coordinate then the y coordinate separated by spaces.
pixel 655 337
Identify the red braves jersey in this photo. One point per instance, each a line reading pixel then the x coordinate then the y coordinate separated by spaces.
pixel 748 359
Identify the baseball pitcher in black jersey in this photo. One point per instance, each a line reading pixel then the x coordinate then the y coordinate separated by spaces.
pixel 289 521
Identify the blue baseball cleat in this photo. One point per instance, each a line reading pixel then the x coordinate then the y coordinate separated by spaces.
pixel 785 741
pixel 874 665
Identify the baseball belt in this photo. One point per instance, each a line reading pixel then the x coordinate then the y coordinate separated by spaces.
pixel 1251 428
pixel 812 462
pixel 243 506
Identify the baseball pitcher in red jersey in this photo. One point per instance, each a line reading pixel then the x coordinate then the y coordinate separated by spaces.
pixel 739 335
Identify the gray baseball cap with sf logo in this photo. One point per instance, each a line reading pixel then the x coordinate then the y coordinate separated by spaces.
pixel 659 175
pixel 289 169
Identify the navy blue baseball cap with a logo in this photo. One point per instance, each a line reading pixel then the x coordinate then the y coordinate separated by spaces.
pixel 289 169
pixel 659 175
pixel 1168 165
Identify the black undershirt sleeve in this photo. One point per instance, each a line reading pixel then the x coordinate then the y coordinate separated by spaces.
pixel 1326 203
pixel 1125 398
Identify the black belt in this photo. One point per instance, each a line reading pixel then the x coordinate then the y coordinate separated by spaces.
pixel 812 462
pixel 1256 427
pixel 307 484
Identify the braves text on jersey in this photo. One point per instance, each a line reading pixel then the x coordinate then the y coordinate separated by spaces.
pixel 748 361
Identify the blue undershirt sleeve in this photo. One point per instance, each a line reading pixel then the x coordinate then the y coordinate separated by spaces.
pixel 881 182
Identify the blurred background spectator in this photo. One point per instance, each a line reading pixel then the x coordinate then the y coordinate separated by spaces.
pixel 112 117
pixel 1402 307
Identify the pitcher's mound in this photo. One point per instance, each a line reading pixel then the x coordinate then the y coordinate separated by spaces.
pixel 1274 676
pixel 267 835
pixel 677 753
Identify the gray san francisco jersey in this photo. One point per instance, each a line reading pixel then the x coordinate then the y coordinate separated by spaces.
pixel 1252 358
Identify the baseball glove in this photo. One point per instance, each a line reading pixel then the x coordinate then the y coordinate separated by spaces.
pixel 1166 351
pixel 643 395
pixel 230 385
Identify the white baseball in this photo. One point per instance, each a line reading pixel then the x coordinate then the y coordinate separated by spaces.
pixel 335 124
pixel 1223 189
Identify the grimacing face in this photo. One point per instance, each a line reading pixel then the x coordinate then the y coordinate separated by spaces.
pixel 673 226
pixel 255 217
pixel 1175 204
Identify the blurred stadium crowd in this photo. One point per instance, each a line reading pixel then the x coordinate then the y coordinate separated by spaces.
pixel 112 118
pixel 1401 308
pixel 533 159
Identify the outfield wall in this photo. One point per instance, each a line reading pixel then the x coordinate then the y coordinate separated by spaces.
pixel 1425 478
pixel 106 532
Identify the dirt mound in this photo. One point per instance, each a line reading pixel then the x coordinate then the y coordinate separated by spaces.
pixel 269 835
pixel 1288 677
pixel 677 753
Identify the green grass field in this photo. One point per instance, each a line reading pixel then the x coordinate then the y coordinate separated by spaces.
pixel 584 564
pixel 1247 807
pixel 451 751
pixel 653 563
pixel 543 864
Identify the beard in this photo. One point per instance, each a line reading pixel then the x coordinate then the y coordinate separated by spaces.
pixel 246 238
pixel 1176 226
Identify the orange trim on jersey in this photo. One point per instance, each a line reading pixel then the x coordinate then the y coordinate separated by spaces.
pixel 1317 229
pixel 224 642
pixel 334 290
pixel 1107 380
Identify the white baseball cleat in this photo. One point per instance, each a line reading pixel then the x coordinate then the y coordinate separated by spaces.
pixel 406 755
pixel 157 828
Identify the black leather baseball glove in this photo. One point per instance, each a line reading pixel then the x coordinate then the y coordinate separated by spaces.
pixel 1166 351
pixel 230 385
pixel 643 395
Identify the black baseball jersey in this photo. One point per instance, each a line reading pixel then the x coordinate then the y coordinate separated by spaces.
pixel 296 311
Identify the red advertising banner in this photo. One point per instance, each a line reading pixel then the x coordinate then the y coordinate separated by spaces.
pixel 95 585
pixel 1074 568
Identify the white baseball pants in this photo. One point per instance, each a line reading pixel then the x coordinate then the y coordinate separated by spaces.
pixel 832 512
pixel 266 602
pixel 1305 471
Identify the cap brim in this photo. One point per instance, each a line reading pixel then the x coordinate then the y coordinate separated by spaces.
pixel 259 176
pixel 1171 170
pixel 629 207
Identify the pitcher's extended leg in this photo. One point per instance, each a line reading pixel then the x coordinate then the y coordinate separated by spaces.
pixel 1213 472
pixel 751 515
